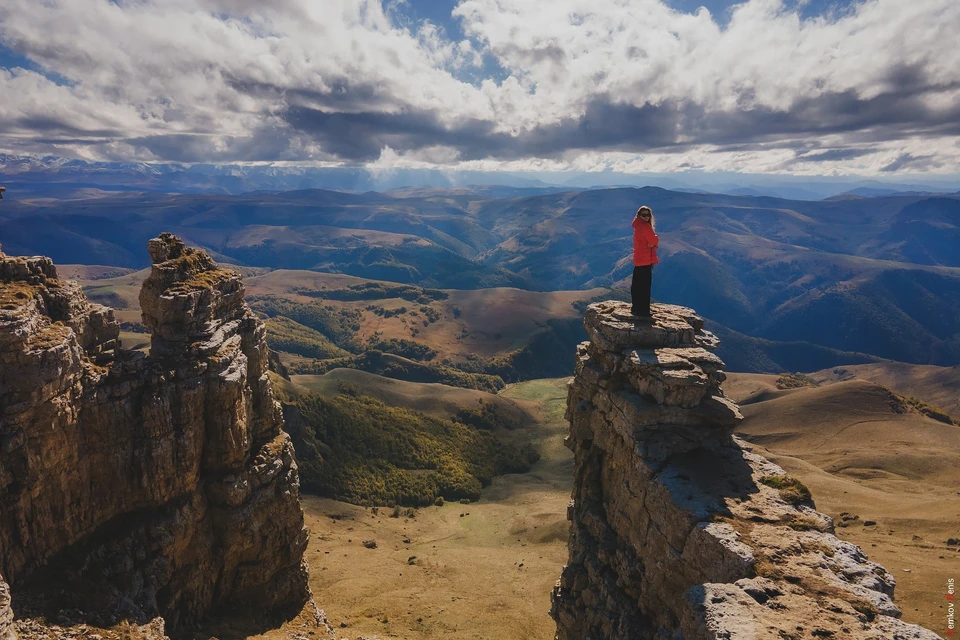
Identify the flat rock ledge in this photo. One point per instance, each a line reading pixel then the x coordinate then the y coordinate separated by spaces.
pixel 677 530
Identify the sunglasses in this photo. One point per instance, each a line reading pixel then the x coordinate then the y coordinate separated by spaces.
pixel 644 215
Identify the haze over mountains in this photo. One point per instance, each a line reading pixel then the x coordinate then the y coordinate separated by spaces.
pixel 872 277
pixel 38 175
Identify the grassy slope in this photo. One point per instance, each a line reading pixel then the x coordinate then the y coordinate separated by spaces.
pixel 400 368
pixel 483 322
pixel 135 341
pixel 495 322
pixel 437 400
pixel 939 386
pixel 284 334
pixel 533 333
pixel 464 580
pixel 91 272
pixel 121 292
pixel 425 442
pixel 357 449
pixel 746 353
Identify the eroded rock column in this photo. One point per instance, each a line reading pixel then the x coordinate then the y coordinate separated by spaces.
pixel 677 530
pixel 158 485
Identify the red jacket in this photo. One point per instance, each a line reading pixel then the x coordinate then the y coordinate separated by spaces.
pixel 643 234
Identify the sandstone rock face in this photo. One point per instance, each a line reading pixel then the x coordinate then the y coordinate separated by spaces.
pixel 158 485
pixel 6 613
pixel 678 531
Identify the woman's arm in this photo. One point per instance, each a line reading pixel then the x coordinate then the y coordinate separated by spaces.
pixel 653 240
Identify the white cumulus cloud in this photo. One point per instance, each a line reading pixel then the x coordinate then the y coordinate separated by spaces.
pixel 630 85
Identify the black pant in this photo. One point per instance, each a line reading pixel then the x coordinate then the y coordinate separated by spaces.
pixel 640 290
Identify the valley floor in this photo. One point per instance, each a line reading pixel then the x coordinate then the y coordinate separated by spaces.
pixel 485 570
pixel 479 570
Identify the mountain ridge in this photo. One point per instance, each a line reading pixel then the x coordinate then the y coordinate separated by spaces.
pixel 759 266
pixel 46 174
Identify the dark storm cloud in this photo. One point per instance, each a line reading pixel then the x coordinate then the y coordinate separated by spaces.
pixel 906 160
pixel 264 145
pixel 833 155
pixel 887 116
pixel 362 136
pixel 608 126
pixel 50 127
pixel 343 93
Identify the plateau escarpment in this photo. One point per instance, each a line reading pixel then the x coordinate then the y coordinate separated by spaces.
pixel 138 486
pixel 678 530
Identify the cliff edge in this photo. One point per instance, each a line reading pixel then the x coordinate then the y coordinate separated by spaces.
pixel 678 531
pixel 137 487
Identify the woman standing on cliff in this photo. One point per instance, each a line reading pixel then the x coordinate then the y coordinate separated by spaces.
pixel 645 241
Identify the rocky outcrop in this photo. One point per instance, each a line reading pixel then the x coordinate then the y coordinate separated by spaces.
pixel 678 531
pixel 158 485
pixel 6 612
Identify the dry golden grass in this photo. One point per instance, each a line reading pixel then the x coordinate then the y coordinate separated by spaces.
pixel 792 491
pixel 939 386
pixel 16 294
pixel 794 381
pixel 91 272
pixel 746 387
pixel 125 288
pixel 135 341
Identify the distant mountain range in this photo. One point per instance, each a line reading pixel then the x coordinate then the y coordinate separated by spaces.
pixel 878 277
pixel 51 176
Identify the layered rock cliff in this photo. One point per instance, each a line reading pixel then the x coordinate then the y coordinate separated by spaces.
pixel 143 486
pixel 678 531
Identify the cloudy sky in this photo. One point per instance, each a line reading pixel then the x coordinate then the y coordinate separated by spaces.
pixel 778 86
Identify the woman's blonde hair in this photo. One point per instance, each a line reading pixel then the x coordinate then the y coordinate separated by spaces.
pixel 650 211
